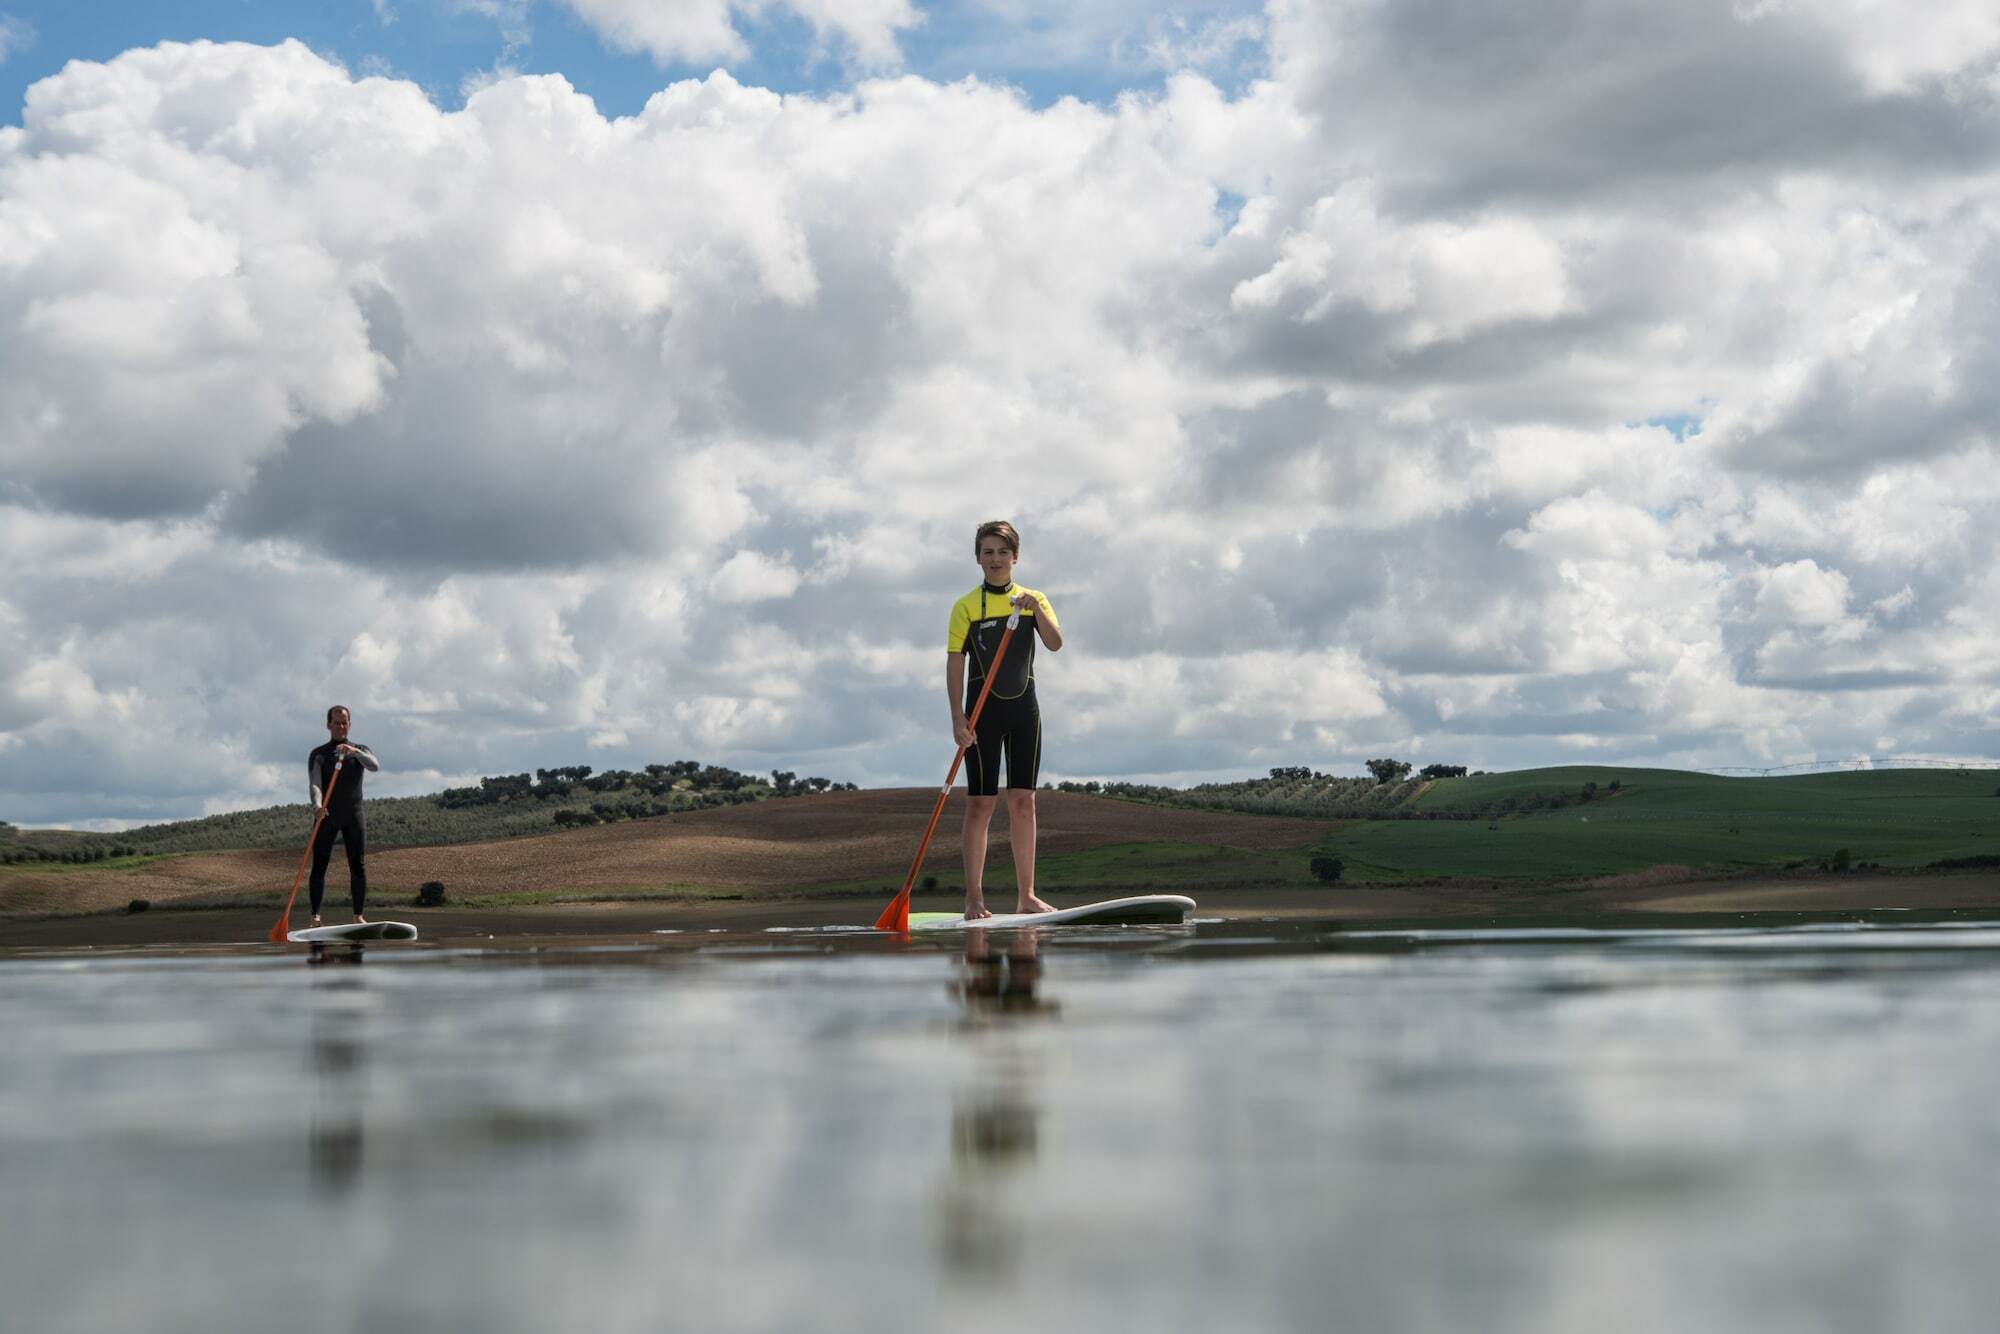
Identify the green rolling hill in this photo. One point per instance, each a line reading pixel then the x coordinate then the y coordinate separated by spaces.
pixel 1553 823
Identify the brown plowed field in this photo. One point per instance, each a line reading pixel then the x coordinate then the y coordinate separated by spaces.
pixel 771 846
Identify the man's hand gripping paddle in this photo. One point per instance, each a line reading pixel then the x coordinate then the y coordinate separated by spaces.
pixel 896 917
pixel 284 926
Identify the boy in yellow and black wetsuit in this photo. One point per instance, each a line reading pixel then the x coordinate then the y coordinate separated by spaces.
pixel 1010 726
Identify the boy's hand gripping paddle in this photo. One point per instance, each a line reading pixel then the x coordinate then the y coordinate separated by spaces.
pixel 896 917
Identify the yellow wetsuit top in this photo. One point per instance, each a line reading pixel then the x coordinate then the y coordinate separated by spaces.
pixel 979 619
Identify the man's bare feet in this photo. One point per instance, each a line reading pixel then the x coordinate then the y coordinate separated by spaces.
pixel 975 909
pixel 1030 903
pixel 359 919
pixel 315 920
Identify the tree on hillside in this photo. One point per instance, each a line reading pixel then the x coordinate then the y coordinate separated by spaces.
pixel 1389 771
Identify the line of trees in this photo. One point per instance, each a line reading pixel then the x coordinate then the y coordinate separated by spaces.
pixel 654 780
pixel 1384 794
pixel 70 856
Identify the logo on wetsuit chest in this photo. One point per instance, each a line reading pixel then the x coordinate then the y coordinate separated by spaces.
pixel 1016 668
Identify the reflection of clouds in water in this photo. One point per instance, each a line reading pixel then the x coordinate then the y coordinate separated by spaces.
pixel 996 1123
pixel 1561 1136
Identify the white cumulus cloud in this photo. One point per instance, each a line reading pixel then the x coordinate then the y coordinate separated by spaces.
pixel 538 436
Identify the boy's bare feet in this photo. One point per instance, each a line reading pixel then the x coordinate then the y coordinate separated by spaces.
pixel 315 920
pixel 1030 903
pixel 976 909
pixel 359 919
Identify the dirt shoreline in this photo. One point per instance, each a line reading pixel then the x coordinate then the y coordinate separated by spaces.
pixel 803 862
pixel 1736 901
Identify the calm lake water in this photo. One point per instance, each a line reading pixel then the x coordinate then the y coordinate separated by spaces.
pixel 1229 1126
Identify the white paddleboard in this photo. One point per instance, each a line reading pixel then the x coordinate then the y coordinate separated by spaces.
pixel 1143 909
pixel 355 931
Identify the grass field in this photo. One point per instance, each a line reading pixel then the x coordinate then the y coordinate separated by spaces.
pixel 1900 818
pixel 859 842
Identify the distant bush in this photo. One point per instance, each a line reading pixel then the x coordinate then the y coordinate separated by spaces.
pixel 1842 859
pixel 430 894
pixel 929 884
pixel 138 905
pixel 1327 870
pixel 1388 771
pixel 1442 771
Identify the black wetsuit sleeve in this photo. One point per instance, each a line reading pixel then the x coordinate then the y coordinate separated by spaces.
pixel 319 768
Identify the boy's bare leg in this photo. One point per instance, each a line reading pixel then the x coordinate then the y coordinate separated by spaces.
pixel 978 816
pixel 1021 833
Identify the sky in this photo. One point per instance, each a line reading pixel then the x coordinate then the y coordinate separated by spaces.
pixel 609 382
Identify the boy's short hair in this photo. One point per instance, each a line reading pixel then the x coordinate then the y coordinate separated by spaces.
pixel 1001 529
pixel 338 708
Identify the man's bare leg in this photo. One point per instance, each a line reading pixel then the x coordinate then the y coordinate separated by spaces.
pixel 978 817
pixel 1021 833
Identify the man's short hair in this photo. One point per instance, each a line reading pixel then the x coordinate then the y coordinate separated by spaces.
pixel 338 708
pixel 1001 529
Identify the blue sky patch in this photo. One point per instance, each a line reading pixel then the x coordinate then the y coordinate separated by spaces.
pixel 1048 50
pixel 1680 425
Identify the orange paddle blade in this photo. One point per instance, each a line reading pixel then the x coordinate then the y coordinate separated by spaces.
pixel 895 917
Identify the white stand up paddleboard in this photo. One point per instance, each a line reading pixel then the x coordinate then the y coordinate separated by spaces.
pixel 354 931
pixel 1144 909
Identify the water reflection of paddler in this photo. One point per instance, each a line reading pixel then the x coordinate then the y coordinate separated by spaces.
pixel 1003 982
pixel 996 1121
pixel 335 1133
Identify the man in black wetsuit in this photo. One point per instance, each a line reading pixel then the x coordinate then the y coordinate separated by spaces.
pixel 342 809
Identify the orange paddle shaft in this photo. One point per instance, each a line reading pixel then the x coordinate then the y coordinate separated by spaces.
pixel 896 917
pixel 278 932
